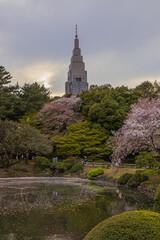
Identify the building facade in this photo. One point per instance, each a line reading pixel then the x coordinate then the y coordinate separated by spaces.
pixel 77 76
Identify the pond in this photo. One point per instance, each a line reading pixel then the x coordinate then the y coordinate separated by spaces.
pixel 60 209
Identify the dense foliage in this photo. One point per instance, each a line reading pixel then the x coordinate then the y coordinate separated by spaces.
pixel 15 101
pixel 19 142
pixel 137 179
pixel 69 162
pixel 76 167
pixel 81 140
pixel 60 167
pixel 124 178
pixel 41 163
pixel 138 129
pixel 80 126
pixel 156 207
pixel 136 225
pixel 92 174
pixel 106 107
pixel 147 159
pixel 56 115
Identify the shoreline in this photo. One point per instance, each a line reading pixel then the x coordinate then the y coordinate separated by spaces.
pixel 148 192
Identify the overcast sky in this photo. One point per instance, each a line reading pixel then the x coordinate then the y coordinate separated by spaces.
pixel 119 40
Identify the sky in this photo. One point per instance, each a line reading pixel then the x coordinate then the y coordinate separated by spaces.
pixel 119 40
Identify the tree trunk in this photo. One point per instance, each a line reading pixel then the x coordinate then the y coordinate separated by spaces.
pixel 17 159
pixel 27 157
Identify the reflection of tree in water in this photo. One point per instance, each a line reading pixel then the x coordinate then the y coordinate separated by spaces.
pixel 37 212
pixel 40 195
pixel 136 199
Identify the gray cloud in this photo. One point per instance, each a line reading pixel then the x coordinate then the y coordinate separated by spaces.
pixel 119 40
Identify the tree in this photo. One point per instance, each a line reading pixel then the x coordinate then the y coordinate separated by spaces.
pixel 4 90
pixel 18 141
pixel 145 89
pixel 33 96
pixel 4 77
pixel 55 116
pixel 137 133
pixel 16 101
pixel 81 141
pixel 105 107
pixel 147 159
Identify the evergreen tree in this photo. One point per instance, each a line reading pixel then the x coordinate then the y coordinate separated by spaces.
pixel 4 77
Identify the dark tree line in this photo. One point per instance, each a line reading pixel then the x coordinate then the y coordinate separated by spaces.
pixel 15 101
pixel 103 108
pixel 20 141
pixel 106 107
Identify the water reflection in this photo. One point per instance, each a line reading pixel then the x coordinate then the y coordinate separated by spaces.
pixel 60 210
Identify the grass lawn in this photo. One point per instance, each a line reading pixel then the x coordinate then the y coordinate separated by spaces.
pixel 150 184
pixel 113 172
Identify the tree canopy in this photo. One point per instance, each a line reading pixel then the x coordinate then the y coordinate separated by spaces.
pixel 18 141
pixel 15 101
pixel 137 132
pixel 81 140
pixel 106 107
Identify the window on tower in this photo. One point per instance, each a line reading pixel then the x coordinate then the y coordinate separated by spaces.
pixel 78 79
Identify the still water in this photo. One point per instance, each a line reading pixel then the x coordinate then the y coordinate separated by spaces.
pixel 60 209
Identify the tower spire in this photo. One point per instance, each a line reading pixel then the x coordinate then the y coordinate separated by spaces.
pixel 76 32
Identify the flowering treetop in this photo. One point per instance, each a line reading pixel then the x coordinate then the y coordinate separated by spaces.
pixel 138 129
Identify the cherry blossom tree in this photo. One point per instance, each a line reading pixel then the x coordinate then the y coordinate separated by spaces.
pixel 55 116
pixel 138 131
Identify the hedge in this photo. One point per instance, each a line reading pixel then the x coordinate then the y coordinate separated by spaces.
pixel 124 178
pixel 136 179
pixel 92 174
pixel 135 225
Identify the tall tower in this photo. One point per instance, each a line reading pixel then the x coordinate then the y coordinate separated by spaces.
pixel 77 76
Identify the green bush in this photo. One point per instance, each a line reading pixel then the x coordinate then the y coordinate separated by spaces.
pixel 38 169
pixel 41 163
pixel 136 179
pixel 124 178
pixel 147 159
pixel 69 163
pixel 76 167
pixel 135 225
pixel 48 172
pixel 53 166
pixel 92 174
pixel 60 167
pixel 156 206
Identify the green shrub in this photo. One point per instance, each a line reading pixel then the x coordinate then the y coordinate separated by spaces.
pixel 92 174
pixel 135 225
pixel 124 178
pixel 60 167
pixel 69 163
pixel 41 163
pixel 48 172
pixel 147 159
pixel 136 179
pixel 76 167
pixel 38 169
pixel 156 206
pixel 53 166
